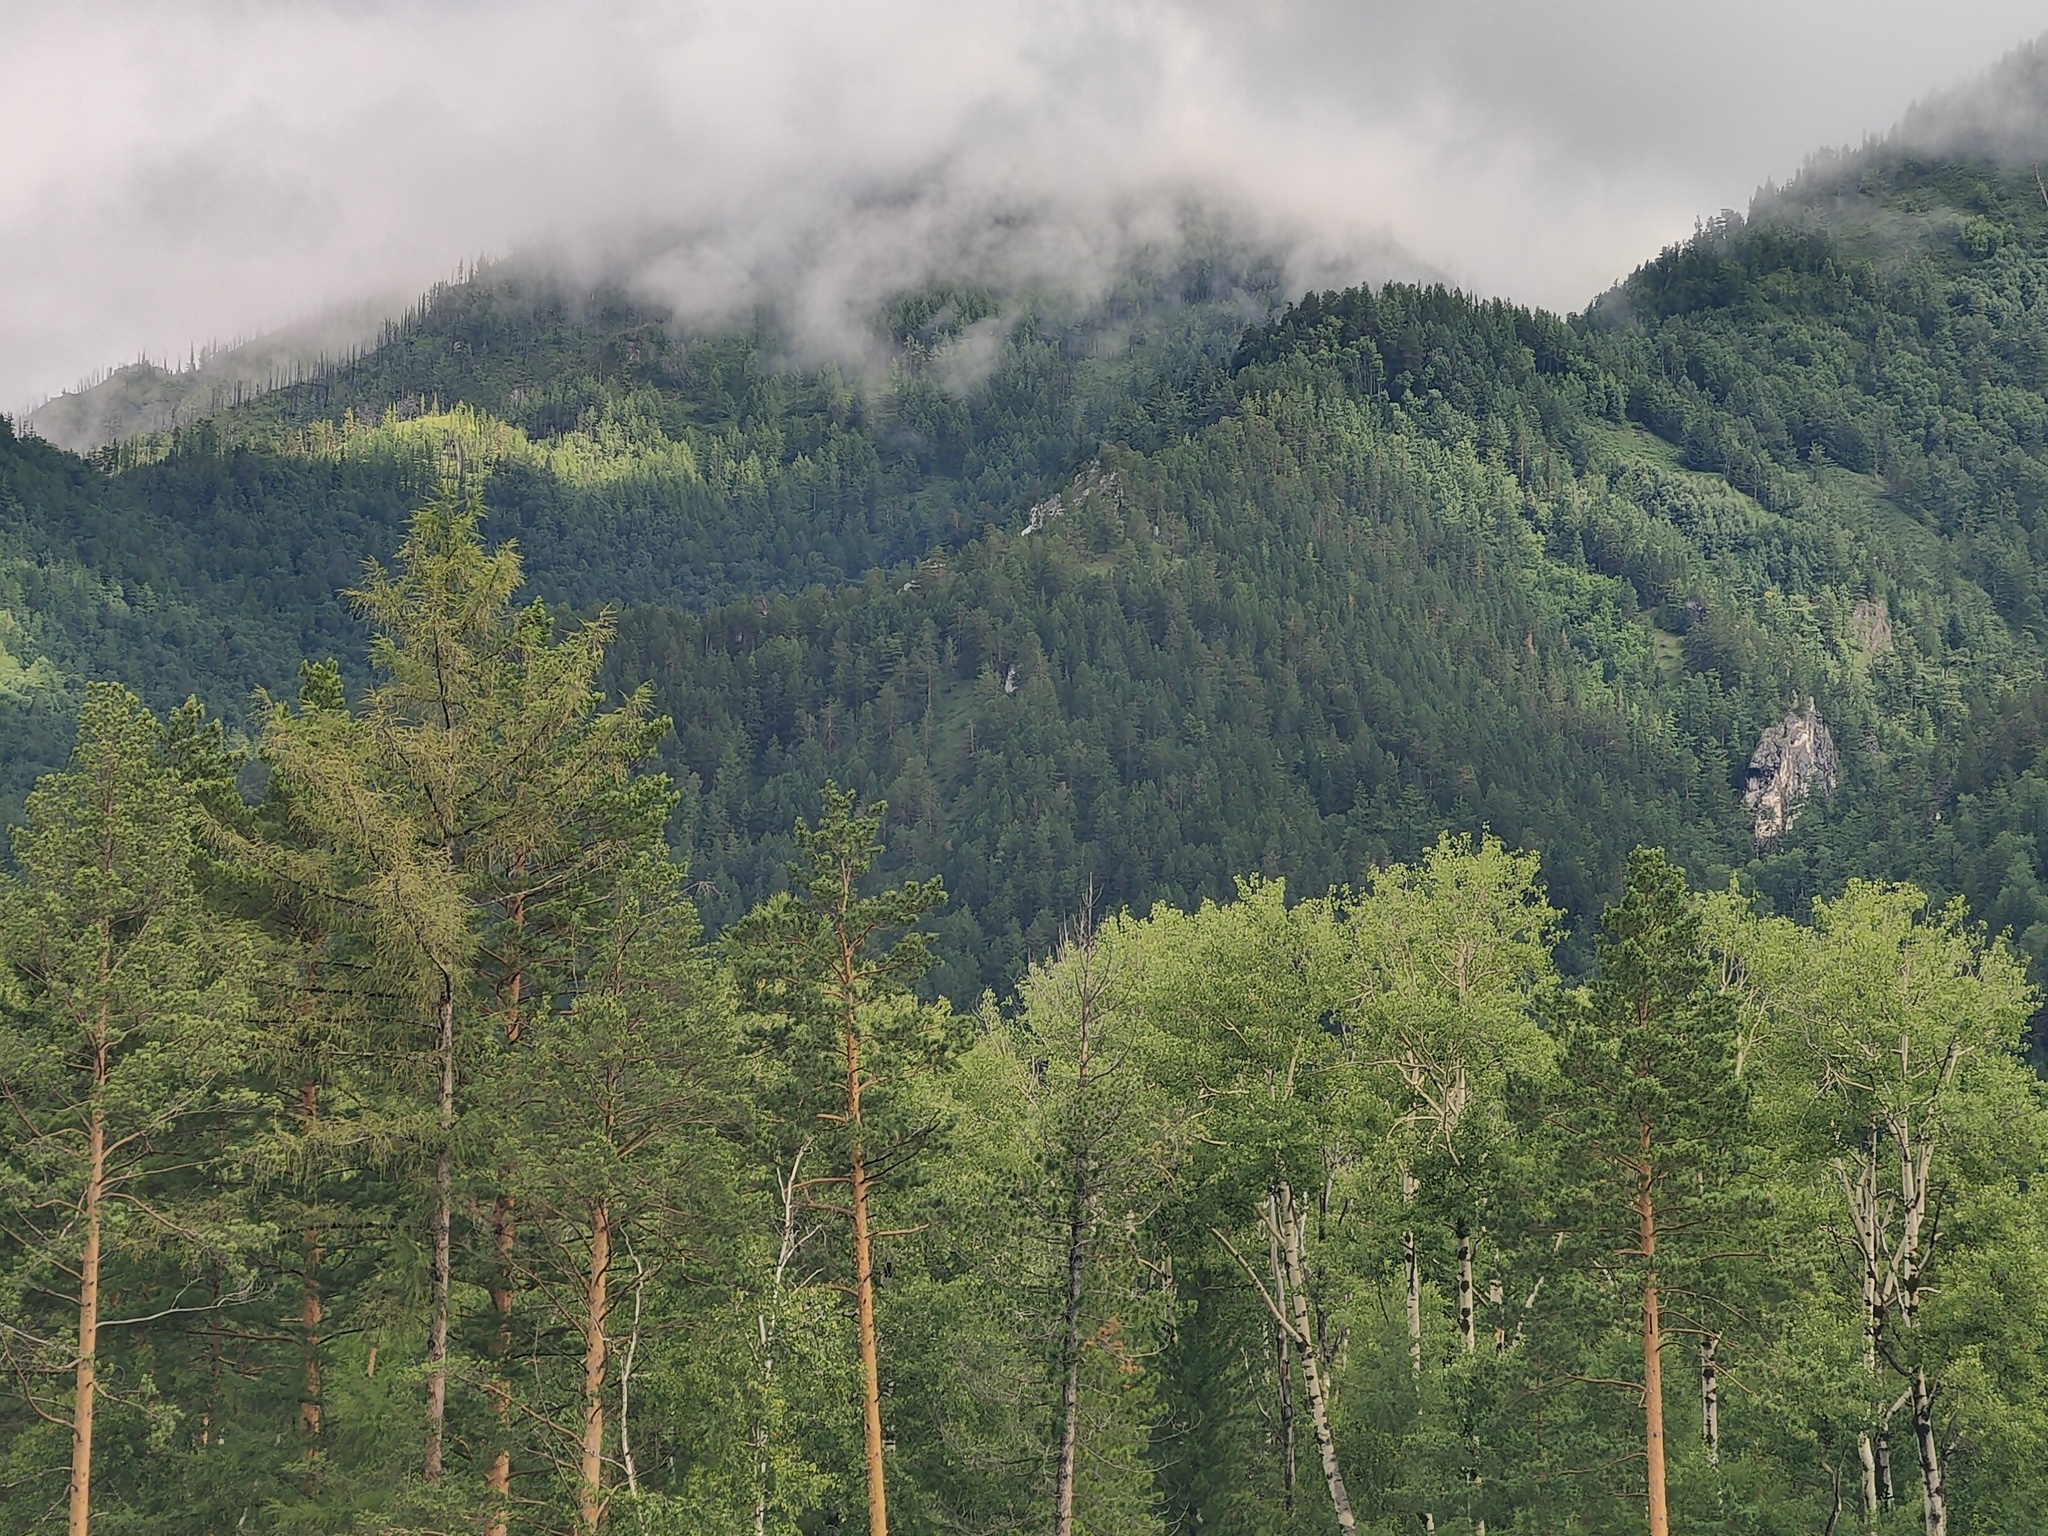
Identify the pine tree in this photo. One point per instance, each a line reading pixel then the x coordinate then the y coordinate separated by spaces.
pixel 816 967
pixel 126 1011
pixel 620 1112
pixel 1651 1107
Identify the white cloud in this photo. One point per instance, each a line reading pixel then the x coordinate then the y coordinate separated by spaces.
pixel 173 174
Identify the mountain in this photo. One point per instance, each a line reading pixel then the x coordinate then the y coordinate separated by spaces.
pixel 145 396
pixel 1183 584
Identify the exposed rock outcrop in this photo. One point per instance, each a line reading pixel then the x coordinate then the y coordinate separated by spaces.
pixel 1090 483
pixel 1794 760
pixel 1870 625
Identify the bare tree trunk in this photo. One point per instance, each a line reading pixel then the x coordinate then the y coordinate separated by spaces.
pixel 1284 1361
pixel 1291 1221
pixel 1413 1268
pixel 1070 1359
pixel 1933 1495
pixel 1866 1454
pixel 1078 1195
pixel 590 1501
pixel 498 1476
pixel 870 1353
pixel 1710 1397
pixel 1653 1351
pixel 86 1381
pixel 311 1311
pixel 1284 1342
pixel 1887 1491
pixel 769 1322
pixel 626 1462
pixel 1466 1335
pixel 444 1175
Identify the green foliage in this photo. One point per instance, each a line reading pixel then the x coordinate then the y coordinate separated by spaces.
pixel 125 1034
pixel 1295 646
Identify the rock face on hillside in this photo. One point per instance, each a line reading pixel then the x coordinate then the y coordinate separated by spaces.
pixel 1090 483
pixel 1793 759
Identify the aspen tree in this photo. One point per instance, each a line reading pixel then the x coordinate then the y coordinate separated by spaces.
pixel 1107 1141
pixel 1252 990
pixel 1893 1017
pixel 1452 958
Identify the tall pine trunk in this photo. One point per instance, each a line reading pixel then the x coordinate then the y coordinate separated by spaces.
pixel 87 1380
pixel 870 1352
pixel 444 1177
pixel 498 1476
pixel 863 1268
pixel 1653 1349
pixel 590 1496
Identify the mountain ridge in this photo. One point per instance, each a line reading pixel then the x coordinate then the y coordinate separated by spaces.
pixel 1690 488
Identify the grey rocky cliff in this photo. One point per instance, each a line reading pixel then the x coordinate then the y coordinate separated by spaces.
pixel 1794 759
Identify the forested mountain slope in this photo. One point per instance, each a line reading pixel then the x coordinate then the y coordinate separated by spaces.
pixel 1384 562
pixel 390 1148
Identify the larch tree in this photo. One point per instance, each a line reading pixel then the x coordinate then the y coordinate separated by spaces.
pixel 825 971
pixel 1650 1109
pixel 478 772
pixel 126 1012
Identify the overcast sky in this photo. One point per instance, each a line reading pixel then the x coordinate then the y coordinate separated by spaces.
pixel 174 173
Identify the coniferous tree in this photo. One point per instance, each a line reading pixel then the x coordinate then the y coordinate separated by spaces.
pixel 619 1110
pixel 476 775
pixel 126 1013
pixel 1651 1108
pixel 818 967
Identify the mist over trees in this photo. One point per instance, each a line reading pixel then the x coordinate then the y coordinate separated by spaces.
pixel 1146 924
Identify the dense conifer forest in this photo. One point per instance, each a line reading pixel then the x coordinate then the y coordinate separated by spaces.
pixel 1139 919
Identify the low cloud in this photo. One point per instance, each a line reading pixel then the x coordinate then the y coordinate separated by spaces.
pixel 175 174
